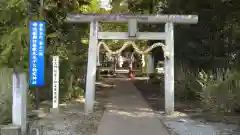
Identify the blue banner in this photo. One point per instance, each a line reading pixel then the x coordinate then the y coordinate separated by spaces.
pixel 37 46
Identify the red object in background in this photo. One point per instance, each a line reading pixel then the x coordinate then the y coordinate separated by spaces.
pixel 131 75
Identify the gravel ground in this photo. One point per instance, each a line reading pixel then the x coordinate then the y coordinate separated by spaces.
pixel 181 123
pixel 71 120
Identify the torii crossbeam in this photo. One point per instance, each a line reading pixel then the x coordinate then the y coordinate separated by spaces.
pixel 132 34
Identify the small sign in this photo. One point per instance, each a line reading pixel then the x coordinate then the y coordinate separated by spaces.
pixel 55 82
pixel 37 46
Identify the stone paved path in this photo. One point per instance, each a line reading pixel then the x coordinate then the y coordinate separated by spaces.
pixel 127 113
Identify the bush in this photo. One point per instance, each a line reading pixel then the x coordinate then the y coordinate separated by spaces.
pixel 5 95
pixel 218 92
pixel 187 89
pixel 222 94
pixel 187 86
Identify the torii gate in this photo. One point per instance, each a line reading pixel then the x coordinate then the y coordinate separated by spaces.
pixel 132 34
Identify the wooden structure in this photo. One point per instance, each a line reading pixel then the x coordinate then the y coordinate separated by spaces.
pixel 132 34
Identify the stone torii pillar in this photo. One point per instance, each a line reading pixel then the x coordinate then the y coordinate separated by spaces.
pixel 150 64
pixel 132 34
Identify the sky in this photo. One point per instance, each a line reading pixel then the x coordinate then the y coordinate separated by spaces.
pixel 106 4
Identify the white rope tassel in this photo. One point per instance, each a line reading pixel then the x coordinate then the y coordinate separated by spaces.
pixel 131 43
pixel 143 60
